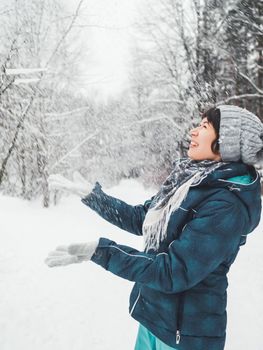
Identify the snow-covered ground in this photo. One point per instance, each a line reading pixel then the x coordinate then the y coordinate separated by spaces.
pixel 84 307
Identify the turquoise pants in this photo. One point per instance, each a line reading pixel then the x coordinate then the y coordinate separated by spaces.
pixel 147 341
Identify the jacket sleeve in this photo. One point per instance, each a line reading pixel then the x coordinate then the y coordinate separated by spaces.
pixel 205 242
pixel 127 217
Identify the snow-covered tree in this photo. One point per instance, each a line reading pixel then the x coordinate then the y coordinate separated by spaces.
pixel 37 62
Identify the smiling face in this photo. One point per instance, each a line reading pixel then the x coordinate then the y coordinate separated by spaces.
pixel 201 141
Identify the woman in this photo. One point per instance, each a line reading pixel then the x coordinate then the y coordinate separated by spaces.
pixel 193 228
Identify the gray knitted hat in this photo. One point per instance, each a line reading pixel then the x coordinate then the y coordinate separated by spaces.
pixel 240 135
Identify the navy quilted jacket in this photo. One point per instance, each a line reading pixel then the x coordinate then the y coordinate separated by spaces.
pixel 180 291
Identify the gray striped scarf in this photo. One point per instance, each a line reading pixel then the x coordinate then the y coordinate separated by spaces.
pixel 186 173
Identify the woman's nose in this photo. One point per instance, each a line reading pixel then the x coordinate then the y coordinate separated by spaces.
pixel 194 131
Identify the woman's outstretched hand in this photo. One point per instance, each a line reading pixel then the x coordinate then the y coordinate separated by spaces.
pixel 79 186
pixel 71 254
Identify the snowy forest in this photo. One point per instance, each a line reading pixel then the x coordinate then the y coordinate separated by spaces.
pixel 184 57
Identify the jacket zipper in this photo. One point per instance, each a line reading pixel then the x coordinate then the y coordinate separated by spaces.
pixel 136 301
pixel 178 336
pixel 179 317
pixel 179 314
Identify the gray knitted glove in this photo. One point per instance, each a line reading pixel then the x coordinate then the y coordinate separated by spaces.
pixel 72 254
pixel 79 186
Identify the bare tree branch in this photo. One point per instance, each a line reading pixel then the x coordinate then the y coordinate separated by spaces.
pixel 239 97
pixel 251 82
pixel 32 97
pixel 65 33
pixel 13 143
pixel 74 149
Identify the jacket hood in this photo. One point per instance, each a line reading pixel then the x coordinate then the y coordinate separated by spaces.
pixel 248 193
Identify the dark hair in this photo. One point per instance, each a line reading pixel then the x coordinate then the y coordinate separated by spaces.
pixel 213 116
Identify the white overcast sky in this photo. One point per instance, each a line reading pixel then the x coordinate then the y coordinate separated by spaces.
pixel 110 42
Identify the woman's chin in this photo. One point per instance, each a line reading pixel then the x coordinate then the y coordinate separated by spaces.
pixel 197 155
pixel 194 155
pixel 191 154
